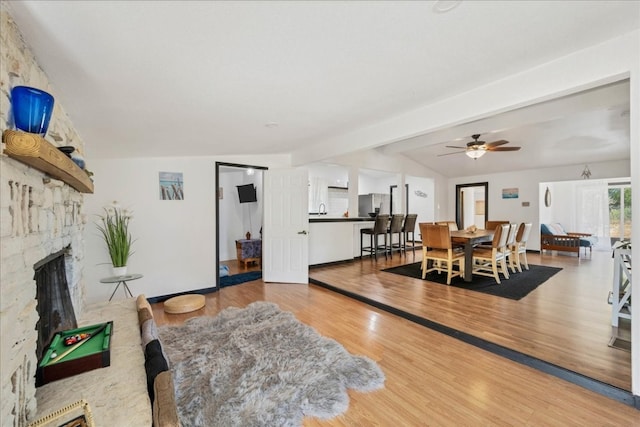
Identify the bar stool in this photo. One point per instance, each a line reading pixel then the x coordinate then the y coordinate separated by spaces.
pixel 409 226
pixel 395 228
pixel 379 229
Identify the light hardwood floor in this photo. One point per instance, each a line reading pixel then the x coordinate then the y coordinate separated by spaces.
pixel 433 379
pixel 565 321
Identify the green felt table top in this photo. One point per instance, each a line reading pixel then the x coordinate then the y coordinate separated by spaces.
pixel 95 344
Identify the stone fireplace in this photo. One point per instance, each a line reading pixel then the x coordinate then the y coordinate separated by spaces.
pixel 42 218
pixel 53 300
pixel 39 216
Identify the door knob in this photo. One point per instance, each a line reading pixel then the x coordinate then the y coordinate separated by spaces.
pixel 302 232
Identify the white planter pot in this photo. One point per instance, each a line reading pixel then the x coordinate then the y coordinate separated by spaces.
pixel 119 271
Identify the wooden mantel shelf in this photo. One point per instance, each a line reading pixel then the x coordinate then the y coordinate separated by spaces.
pixel 37 152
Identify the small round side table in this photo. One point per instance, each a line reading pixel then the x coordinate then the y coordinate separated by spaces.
pixel 121 280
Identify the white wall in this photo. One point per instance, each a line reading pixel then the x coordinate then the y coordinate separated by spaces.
pixel 527 182
pixel 401 167
pixel 231 223
pixel 368 184
pixel 237 218
pixel 321 176
pixel 175 246
pixel 423 206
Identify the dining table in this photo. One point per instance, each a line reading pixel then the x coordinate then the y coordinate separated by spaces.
pixel 470 239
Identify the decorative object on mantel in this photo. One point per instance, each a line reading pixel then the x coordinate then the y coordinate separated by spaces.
pixel 248 235
pixel 67 149
pixel 78 159
pixel 115 232
pixel 32 109
pixel 586 173
pixel 35 151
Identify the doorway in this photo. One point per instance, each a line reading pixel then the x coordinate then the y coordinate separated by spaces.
pixel 619 211
pixel 238 219
pixel 472 205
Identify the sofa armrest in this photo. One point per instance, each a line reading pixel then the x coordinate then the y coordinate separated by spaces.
pixel 579 234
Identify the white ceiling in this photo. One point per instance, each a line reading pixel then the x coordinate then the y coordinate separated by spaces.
pixel 176 78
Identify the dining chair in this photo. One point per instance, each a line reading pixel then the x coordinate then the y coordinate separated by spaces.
pixel 491 262
pixel 453 226
pixel 395 228
pixel 379 229
pixel 491 225
pixel 409 227
pixel 520 247
pixel 436 246
pixel 509 252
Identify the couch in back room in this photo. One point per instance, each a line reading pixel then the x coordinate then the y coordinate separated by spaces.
pixel 553 237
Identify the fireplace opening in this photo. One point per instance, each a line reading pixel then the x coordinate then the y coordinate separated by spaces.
pixel 54 306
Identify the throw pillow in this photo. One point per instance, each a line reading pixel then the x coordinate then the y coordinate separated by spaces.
pixel 556 229
pixel 144 314
pixel 165 409
pixel 141 302
pixel 148 332
pixel 154 363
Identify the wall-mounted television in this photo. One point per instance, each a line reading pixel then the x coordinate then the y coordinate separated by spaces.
pixel 247 193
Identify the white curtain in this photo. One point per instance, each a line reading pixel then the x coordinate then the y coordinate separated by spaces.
pixel 592 211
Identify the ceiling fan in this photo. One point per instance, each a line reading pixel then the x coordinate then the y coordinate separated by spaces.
pixel 476 149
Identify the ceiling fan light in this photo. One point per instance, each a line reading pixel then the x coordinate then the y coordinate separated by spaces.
pixel 476 153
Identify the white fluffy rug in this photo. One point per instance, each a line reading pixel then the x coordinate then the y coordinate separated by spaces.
pixel 260 366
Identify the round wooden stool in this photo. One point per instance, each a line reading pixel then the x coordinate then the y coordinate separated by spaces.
pixel 184 304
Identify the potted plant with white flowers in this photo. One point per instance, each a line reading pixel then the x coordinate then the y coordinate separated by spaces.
pixel 114 227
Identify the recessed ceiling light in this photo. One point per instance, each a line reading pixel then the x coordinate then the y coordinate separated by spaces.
pixel 442 6
pixel 271 125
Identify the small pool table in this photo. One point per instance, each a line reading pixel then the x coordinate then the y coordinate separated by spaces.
pixel 92 354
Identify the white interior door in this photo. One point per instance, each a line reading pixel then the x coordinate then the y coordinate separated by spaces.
pixel 285 251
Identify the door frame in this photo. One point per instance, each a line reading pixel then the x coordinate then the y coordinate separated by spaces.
pixel 217 184
pixel 459 201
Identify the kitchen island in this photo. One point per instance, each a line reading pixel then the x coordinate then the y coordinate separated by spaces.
pixel 334 239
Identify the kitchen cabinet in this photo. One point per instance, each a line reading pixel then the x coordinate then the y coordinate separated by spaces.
pixel 335 239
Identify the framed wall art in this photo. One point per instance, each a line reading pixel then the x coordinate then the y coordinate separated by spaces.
pixel 77 414
pixel 171 186
pixel 509 193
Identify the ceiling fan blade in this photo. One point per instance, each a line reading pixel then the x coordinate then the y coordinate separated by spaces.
pixel 496 143
pixel 454 146
pixel 455 152
pixel 503 149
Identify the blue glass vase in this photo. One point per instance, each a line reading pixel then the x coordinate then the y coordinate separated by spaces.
pixel 32 109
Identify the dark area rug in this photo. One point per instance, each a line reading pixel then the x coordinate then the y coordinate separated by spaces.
pixel 240 278
pixel 516 287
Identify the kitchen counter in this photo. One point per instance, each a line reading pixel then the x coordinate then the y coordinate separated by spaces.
pixel 333 239
pixel 326 218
